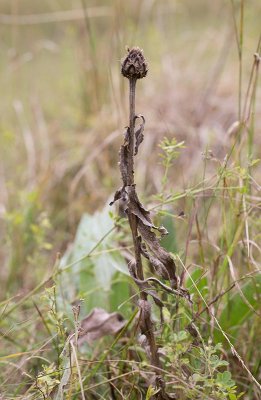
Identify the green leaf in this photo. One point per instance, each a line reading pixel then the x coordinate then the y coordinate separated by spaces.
pixel 169 241
pixel 224 379
pixel 216 362
pixel 180 336
pixel 198 378
pixel 91 275
pixel 150 392
pixel 119 293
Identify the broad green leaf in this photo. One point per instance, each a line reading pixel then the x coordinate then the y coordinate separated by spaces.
pixel 236 310
pixel 90 276
pixel 224 379
pixel 119 293
pixel 180 336
pixel 169 241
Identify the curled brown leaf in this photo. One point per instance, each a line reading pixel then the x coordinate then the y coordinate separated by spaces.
pixel 139 136
pixel 99 323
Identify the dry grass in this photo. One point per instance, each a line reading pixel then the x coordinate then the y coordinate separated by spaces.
pixel 63 109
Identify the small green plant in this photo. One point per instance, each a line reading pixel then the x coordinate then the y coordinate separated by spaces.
pixel 47 380
pixel 170 152
pixel 199 370
pixel 27 239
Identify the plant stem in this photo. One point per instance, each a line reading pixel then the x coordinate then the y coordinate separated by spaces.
pixel 132 82
pixel 145 241
pixel 130 182
pixel 146 317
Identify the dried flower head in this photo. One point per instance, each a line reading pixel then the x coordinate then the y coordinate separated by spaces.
pixel 134 64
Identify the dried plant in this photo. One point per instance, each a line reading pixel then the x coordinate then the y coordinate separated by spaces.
pixel 146 241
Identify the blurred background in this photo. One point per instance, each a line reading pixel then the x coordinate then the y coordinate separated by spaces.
pixel 64 103
pixel 64 106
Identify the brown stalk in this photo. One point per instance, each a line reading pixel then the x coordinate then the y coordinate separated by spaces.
pixel 147 327
pixel 130 176
pixel 146 242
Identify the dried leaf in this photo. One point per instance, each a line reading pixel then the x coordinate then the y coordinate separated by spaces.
pixel 117 196
pixel 157 266
pixel 163 230
pixel 99 323
pixel 139 133
pixel 144 316
pixel 135 207
pixel 124 163
pixel 192 329
pixel 143 341
pixel 144 285
pixel 159 253
pixel 127 135
pixel 160 259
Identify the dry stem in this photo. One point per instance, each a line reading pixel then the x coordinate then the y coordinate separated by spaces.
pixel 134 67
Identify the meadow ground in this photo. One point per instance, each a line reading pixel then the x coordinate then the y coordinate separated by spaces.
pixel 63 109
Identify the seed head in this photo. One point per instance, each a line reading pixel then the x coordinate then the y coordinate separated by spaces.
pixel 134 64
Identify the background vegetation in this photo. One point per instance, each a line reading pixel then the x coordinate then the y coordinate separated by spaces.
pixel 63 109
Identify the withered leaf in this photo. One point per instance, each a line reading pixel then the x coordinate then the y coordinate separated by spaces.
pixel 192 329
pixel 135 207
pixel 126 135
pixel 139 133
pixel 159 253
pixel 144 285
pixel 160 259
pixel 117 196
pixel 99 323
pixel 157 266
pixel 163 230
pixel 143 341
pixel 124 163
